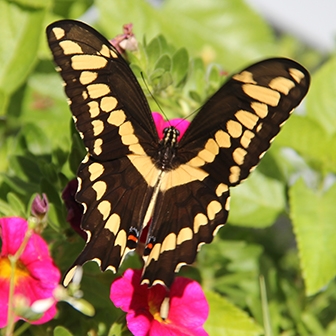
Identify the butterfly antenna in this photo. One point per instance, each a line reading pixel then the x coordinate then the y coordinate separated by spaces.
pixel 159 106
pixel 189 115
pixel 151 94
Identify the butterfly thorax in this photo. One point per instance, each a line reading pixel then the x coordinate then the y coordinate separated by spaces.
pixel 167 148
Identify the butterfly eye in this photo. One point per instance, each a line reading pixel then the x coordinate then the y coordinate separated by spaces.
pixel 166 130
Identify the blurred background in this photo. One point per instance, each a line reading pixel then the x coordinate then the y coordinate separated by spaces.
pixel 311 21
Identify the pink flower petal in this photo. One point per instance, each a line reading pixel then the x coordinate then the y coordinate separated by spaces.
pixel 180 124
pixel 159 122
pixel 188 308
pixel 38 277
pixel 13 230
pixel 126 292
pixel 4 293
pixel 139 323
pixel 47 316
pixel 186 298
pixel 36 251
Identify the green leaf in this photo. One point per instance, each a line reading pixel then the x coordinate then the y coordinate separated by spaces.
pixel 311 141
pixel 16 204
pixel 21 28
pixel 227 320
pixel 116 329
pixel 165 81
pixel 33 3
pixel 52 192
pixel 180 64
pixel 313 214
pixel 165 48
pixel 49 171
pixel 331 330
pixel 119 328
pixel 38 143
pixel 20 186
pixel 156 75
pixel 257 202
pixel 25 167
pixel 61 331
pixel 224 30
pixel 196 84
pixel 4 100
pixel 49 84
pixel 312 323
pixel 153 51
pixel 164 62
pixel 6 210
pixel 321 102
pixel 216 78
pixel 54 219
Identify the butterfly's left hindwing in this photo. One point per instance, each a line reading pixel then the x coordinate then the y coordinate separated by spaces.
pixel 126 181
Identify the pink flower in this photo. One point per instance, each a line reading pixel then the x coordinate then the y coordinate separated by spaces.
pixel 125 41
pixel 187 306
pixel 36 276
pixel 180 124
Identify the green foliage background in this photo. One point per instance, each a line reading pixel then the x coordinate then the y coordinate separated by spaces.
pixel 271 270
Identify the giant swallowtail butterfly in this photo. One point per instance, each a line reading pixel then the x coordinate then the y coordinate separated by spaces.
pixel 130 178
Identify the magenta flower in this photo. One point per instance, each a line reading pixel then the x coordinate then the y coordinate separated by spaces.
pixel 186 304
pixel 161 124
pixel 36 276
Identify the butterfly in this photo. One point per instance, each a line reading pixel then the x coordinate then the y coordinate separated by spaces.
pixel 179 189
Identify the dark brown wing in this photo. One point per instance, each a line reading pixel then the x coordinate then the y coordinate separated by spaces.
pixel 120 186
pixel 113 118
pixel 224 142
pixel 237 124
pixel 103 93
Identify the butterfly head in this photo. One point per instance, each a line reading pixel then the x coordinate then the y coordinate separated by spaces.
pixel 170 136
pixel 168 145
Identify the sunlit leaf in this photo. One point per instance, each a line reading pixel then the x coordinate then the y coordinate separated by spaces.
pixel 227 320
pixel 313 214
